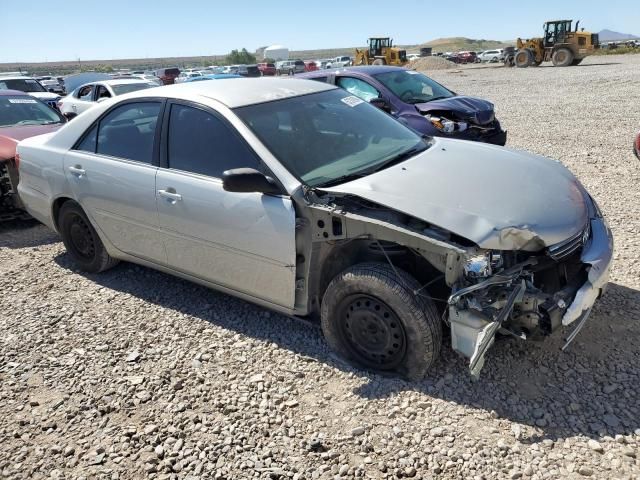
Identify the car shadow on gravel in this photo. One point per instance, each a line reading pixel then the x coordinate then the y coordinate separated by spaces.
pixel 591 389
pixel 25 233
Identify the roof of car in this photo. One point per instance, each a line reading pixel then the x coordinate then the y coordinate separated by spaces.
pixel 121 81
pixel 15 77
pixel 365 69
pixel 6 93
pixel 239 92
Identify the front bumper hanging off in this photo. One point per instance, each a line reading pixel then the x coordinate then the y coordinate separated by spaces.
pixel 473 330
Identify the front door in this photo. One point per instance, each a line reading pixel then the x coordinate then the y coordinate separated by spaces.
pixel 112 173
pixel 243 241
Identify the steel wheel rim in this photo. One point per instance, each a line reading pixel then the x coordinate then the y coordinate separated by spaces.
pixel 372 332
pixel 81 238
pixel 561 56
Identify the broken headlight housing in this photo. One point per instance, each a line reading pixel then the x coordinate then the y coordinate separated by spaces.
pixel 482 265
pixel 447 126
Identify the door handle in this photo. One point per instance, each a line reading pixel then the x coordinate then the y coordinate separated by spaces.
pixel 77 170
pixel 171 196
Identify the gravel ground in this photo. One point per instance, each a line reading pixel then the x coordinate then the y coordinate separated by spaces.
pixel 133 373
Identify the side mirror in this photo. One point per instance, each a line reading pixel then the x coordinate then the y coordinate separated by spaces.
pixel 248 180
pixel 380 103
pixel 51 90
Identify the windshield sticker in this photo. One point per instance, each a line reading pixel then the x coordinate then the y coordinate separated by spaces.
pixel 22 100
pixel 352 101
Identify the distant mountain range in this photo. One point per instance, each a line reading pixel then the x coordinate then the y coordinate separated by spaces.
pixel 611 36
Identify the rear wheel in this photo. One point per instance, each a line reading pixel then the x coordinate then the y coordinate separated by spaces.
pixel 523 58
pixel 563 57
pixel 81 240
pixel 372 317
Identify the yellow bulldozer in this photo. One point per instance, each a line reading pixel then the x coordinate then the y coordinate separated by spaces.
pixel 380 52
pixel 561 45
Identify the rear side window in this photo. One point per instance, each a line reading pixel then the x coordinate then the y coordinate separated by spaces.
pixel 358 88
pixel 199 142
pixel 128 132
pixel 319 79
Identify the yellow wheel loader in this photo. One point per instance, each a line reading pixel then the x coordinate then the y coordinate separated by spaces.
pixel 381 52
pixel 561 45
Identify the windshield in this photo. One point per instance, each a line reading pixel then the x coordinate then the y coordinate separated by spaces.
pixel 129 87
pixel 330 137
pixel 22 84
pixel 24 110
pixel 413 87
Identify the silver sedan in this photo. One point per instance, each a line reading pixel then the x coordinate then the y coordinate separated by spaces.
pixel 300 197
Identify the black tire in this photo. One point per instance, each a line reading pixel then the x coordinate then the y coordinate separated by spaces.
pixel 563 57
pixel 82 241
pixel 576 61
pixel 372 318
pixel 523 58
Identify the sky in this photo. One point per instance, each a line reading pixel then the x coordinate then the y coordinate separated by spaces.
pixel 33 31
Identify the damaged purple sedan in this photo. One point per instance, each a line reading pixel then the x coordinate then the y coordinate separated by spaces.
pixel 419 102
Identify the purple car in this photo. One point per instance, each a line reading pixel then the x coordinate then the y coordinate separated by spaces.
pixel 418 101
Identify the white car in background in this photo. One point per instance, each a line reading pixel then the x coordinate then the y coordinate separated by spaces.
pixel 31 86
pixel 492 56
pixel 340 62
pixel 184 76
pixel 88 95
pixel 412 56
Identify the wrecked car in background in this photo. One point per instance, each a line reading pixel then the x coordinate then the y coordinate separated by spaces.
pixel 305 199
pixel 21 116
pixel 419 102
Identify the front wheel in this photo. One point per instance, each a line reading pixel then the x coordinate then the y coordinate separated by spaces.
pixel 372 317
pixel 563 57
pixel 523 58
pixel 81 240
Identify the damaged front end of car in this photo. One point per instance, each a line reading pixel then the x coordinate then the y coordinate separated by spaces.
pixel 529 292
pixel 528 295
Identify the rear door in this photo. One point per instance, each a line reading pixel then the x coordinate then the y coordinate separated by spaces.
pixel 242 241
pixel 112 172
pixel 84 100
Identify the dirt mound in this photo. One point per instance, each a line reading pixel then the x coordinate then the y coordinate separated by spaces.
pixel 431 63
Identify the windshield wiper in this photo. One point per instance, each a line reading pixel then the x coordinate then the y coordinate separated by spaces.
pixel 399 158
pixel 344 178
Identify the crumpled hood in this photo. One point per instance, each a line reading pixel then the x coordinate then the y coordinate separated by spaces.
pixel 496 197
pixel 471 109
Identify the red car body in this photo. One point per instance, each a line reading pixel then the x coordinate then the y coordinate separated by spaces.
pixel 636 146
pixel 10 205
pixel 310 66
pixel 267 69
pixel 467 57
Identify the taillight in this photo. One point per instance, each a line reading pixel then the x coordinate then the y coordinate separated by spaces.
pixel 16 160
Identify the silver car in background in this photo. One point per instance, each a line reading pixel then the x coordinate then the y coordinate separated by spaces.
pixel 300 197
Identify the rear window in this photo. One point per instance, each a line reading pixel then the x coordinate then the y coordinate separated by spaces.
pixel 270 65
pixel 299 62
pixel 169 71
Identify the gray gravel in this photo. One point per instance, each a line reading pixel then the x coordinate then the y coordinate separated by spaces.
pixel 135 374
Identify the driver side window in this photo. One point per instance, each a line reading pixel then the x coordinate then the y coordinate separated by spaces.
pixel 358 88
